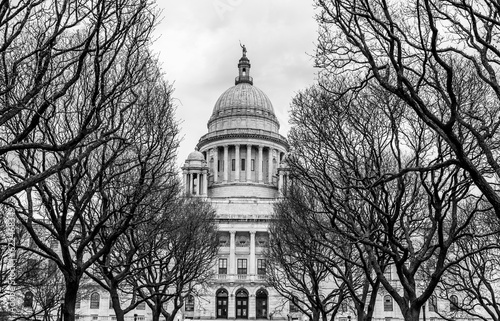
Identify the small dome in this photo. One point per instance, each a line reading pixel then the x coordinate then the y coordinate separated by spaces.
pixel 196 156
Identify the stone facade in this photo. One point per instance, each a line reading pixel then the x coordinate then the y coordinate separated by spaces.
pixel 238 161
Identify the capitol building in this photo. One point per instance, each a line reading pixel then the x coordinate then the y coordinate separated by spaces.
pixel 237 166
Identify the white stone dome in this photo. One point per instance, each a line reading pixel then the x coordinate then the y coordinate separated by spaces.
pixel 195 156
pixel 243 106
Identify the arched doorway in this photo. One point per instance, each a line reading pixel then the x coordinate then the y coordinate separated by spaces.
pixel 221 304
pixel 241 304
pixel 261 304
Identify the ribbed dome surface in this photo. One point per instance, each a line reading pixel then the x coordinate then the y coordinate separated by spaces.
pixel 240 96
pixel 243 106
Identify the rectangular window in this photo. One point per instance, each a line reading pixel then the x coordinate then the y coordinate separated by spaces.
pixel 242 266
pixel 222 266
pixel 243 164
pixel 54 244
pixel 387 303
pixel 189 303
pixel 233 164
pixel 261 266
pixel 252 165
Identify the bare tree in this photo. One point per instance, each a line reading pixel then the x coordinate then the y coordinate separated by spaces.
pixel 296 260
pixel 384 180
pixel 37 283
pixel 87 206
pixel 180 257
pixel 439 57
pixel 471 287
pixel 116 271
pixel 66 69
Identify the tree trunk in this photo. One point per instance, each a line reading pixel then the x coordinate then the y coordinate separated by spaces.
pixel 324 316
pixel 412 314
pixel 171 316
pixel 120 316
pixel 68 307
pixel 316 315
pixel 156 313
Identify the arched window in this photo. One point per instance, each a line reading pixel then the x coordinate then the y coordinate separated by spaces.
pixel 261 304
pixel 241 304
pixel 94 300
pixel 453 303
pixel 28 300
pixel 433 307
pixel 387 303
pixel 189 303
pixel 221 303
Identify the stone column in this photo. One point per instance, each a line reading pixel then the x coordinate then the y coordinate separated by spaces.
pixel 205 183
pixel 226 163
pixel 232 254
pixel 251 306
pixel 270 168
pixel 231 306
pixel 186 183
pixel 260 160
pixel 237 162
pixel 253 262
pixel 280 182
pixel 249 162
pixel 190 183
pixel 216 164
pixel 198 183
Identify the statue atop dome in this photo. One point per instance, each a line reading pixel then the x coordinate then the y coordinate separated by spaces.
pixel 244 49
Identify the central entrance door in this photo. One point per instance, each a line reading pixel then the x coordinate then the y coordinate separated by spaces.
pixel 242 304
pixel 261 304
pixel 222 304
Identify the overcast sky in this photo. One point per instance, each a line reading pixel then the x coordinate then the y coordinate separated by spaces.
pixel 198 45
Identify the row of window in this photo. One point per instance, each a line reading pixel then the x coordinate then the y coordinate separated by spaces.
pixel 95 302
pixel 220 165
pixel 242 266
pixel 433 306
pixel 95 298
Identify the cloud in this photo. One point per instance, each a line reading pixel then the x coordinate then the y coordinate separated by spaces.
pixel 199 48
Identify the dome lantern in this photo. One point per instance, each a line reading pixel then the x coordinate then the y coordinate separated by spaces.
pixel 244 69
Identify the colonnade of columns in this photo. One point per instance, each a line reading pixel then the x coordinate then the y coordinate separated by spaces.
pixel 283 179
pixel 257 165
pixel 201 177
